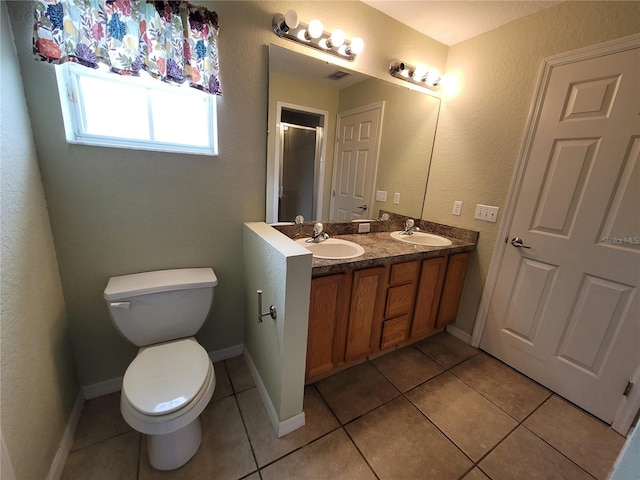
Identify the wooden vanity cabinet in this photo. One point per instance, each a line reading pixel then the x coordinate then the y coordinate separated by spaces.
pixel 365 312
pixel 425 315
pixel 355 314
pixel 452 289
pixel 401 294
pixel 328 311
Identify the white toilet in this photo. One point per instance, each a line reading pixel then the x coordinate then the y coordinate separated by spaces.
pixel 171 380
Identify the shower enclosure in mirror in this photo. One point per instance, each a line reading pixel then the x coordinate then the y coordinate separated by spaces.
pixel 389 171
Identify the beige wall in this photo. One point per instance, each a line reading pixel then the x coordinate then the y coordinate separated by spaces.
pixel 115 211
pixel 38 374
pixel 481 128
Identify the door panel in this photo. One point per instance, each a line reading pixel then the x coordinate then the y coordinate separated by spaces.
pixel 565 310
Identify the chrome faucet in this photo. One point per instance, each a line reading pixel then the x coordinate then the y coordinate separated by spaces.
pixel 409 227
pixel 318 235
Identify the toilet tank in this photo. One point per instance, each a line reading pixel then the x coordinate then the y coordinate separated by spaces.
pixel 154 307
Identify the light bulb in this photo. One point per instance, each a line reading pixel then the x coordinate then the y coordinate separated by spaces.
pixel 315 29
pixel 356 47
pixel 420 71
pixel 291 19
pixel 337 39
pixel 433 77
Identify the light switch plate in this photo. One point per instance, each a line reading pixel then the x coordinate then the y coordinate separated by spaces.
pixel 381 195
pixel 457 207
pixel 486 213
pixel 396 198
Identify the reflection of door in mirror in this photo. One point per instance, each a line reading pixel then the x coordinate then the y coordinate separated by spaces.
pixel 356 162
pixel 300 150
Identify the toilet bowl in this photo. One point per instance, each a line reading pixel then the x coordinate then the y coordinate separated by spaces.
pixel 171 380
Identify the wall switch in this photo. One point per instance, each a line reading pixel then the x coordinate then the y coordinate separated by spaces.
pixel 381 196
pixel 396 198
pixel 364 227
pixel 486 213
pixel 457 207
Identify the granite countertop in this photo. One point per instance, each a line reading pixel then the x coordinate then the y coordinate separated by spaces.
pixel 380 248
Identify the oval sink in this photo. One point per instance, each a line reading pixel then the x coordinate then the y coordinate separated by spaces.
pixel 332 248
pixel 422 238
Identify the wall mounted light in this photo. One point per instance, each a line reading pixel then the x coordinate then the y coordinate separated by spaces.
pixel 313 35
pixel 418 75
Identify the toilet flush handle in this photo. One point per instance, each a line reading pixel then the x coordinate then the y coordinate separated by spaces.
pixel 124 305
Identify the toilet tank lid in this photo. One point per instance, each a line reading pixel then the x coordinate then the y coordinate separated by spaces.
pixel 160 281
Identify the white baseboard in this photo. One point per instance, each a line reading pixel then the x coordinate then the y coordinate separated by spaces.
pixel 5 462
pixel 281 427
pixel 115 384
pixel 57 466
pixel 460 334
pixel 226 353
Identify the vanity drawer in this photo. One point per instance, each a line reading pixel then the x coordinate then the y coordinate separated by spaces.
pixel 400 300
pixel 406 272
pixel 395 331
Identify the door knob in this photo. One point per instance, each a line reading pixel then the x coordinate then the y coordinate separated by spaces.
pixel 517 242
pixel 363 207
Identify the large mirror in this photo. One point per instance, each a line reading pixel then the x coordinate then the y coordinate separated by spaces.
pixel 342 145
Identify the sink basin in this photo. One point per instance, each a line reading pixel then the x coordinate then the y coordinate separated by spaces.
pixel 333 248
pixel 422 238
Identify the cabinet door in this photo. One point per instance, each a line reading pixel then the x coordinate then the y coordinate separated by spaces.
pixel 452 289
pixel 430 285
pixel 365 313
pixel 327 315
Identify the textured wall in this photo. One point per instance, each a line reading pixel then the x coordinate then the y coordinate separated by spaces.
pixel 116 211
pixel 39 384
pixel 481 128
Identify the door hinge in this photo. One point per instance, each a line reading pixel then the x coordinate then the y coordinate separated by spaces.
pixel 628 388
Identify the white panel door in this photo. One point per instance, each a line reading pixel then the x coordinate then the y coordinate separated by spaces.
pixel 565 309
pixel 355 164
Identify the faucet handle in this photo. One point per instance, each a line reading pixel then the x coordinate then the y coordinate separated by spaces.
pixel 317 228
pixel 409 223
pixel 299 220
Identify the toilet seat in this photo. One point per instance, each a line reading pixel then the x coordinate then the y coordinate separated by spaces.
pixel 165 378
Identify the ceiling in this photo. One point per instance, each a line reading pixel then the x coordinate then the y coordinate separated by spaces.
pixel 453 21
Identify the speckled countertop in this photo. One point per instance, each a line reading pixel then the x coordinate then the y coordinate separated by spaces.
pixel 380 248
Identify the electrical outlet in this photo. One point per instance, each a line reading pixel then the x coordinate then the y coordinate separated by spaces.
pixel 364 227
pixel 381 196
pixel 486 213
pixel 457 207
pixel 396 198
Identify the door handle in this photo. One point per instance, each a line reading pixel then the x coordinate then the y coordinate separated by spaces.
pixel 363 207
pixel 517 242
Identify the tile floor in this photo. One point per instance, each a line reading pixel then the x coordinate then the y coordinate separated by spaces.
pixel 439 409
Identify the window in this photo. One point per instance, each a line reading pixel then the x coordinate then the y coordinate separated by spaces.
pixel 111 110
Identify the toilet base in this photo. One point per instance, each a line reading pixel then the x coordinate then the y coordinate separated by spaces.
pixel 172 450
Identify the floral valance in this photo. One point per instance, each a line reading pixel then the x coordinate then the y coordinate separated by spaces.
pixel 174 41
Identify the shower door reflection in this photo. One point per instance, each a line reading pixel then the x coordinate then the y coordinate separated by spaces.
pixel 300 150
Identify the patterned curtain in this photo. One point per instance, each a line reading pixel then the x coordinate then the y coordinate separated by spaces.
pixel 172 40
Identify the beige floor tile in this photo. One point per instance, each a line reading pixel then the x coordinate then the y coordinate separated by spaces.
pixel 356 391
pixel 522 455
pixel 239 374
pixel 266 445
pixel 225 453
pixel 101 419
pixel 446 349
pixel 584 439
pixel 470 421
pixel 223 383
pixel 407 368
pixel 511 391
pixel 332 457
pixel 400 443
pixel 116 457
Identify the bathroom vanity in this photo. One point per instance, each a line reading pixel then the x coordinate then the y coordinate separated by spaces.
pixel 395 294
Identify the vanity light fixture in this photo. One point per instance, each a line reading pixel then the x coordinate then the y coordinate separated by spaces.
pixel 418 75
pixel 313 35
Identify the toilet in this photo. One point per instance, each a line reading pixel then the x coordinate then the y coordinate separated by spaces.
pixel 171 380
